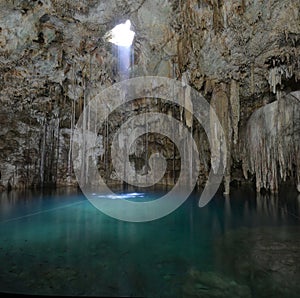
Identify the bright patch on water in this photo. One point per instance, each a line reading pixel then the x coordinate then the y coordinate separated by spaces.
pixel 135 197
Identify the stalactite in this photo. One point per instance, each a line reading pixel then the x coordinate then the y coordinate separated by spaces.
pixel 42 154
pixel 225 17
pixel 189 123
pixel 280 70
pixel 218 19
pixel 272 143
pixel 220 103
pixel 252 78
pixel 69 165
pixel 88 127
pixel 275 78
pixel 235 109
pixel 187 102
pixel 73 116
pixel 106 150
pixel 57 147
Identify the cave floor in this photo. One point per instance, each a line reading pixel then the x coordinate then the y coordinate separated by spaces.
pixel 56 243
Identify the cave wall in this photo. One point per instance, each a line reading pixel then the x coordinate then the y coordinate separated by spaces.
pixel 241 55
pixel 244 55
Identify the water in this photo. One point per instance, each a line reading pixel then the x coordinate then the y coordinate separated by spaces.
pixel 57 243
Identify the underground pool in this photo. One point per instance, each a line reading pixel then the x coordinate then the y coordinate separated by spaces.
pixel 56 242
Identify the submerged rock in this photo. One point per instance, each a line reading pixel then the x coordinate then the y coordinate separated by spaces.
pixel 266 259
pixel 210 284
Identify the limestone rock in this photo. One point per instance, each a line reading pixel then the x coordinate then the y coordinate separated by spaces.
pixel 54 59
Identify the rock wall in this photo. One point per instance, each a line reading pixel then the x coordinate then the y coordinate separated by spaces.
pixel 240 54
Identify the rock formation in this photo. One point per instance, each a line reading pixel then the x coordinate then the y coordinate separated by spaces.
pixel 242 55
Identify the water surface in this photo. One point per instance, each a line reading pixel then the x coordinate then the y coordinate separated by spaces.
pixel 57 243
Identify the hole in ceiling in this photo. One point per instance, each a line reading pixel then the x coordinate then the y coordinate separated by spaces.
pixel 122 35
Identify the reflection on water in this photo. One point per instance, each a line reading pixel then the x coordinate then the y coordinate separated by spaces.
pixel 57 243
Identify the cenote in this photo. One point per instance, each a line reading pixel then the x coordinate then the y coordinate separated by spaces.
pixel 160 96
pixel 57 243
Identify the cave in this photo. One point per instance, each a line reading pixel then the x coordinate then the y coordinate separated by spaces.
pixel 150 148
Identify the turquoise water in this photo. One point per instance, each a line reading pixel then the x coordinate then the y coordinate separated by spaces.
pixel 57 243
